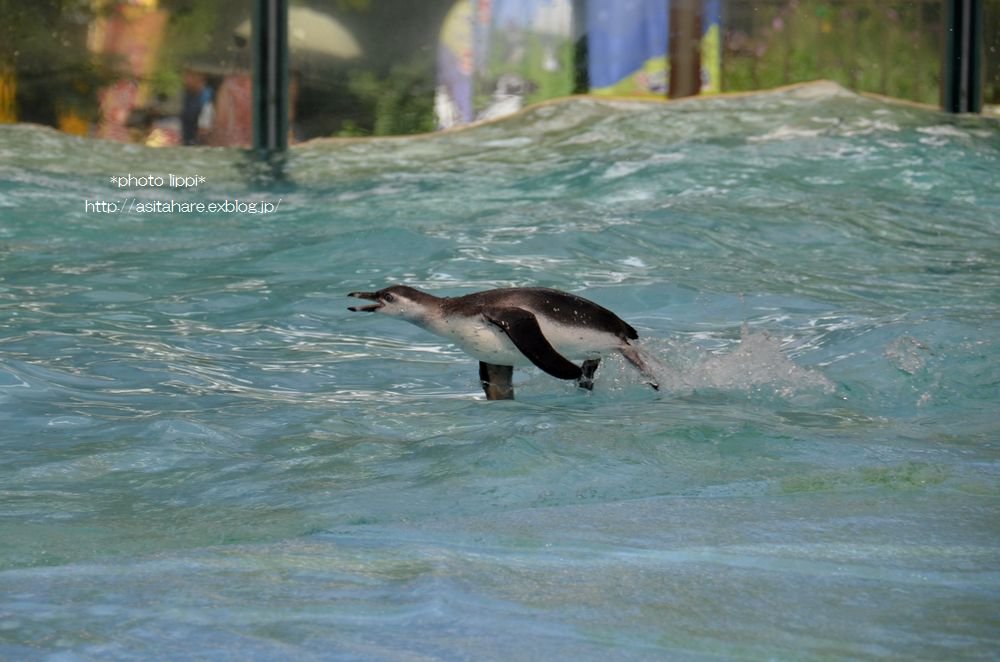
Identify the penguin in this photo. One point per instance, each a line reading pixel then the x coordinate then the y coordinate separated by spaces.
pixel 517 326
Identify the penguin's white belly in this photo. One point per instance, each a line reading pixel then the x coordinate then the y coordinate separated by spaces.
pixel 486 342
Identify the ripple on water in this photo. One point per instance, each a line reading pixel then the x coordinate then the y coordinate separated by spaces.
pixel 192 425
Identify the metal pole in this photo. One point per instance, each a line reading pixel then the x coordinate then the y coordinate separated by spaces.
pixel 685 48
pixel 963 84
pixel 270 75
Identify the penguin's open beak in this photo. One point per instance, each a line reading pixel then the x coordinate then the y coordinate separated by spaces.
pixel 371 296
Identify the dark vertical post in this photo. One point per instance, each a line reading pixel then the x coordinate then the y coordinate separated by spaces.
pixel 685 48
pixel 270 75
pixel 921 8
pixel 581 49
pixel 963 85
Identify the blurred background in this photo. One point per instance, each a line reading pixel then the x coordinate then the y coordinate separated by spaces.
pixel 176 72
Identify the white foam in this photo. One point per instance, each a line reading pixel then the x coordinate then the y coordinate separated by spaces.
pixel 756 364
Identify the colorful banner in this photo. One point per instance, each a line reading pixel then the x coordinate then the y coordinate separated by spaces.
pixel 627 47
pixel 497 55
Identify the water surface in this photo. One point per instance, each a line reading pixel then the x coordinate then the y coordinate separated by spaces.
pixel 203 454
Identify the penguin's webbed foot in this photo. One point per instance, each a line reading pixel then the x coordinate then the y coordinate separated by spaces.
pixel 497 381
pixel 586 380
pixel 635 358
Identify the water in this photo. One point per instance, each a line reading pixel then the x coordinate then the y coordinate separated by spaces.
pixel 205 455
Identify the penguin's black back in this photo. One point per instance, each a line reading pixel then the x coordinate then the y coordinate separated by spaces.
pixel 561 307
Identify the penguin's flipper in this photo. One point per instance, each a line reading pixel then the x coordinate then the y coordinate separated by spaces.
pixel 497 381
pixel 522 328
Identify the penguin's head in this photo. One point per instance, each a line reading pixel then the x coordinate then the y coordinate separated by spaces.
pixel 396 301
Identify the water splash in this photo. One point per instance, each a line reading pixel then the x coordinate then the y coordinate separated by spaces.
pixel 908 354
pixel 755 366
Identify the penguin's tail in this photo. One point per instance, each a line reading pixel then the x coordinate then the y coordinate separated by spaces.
pixel 634 356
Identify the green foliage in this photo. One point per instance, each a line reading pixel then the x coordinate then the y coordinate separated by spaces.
pixel 350 129
pixel 46 45
pixel 190 32
pixel 399 102
pixel 891 48
pixel 991 50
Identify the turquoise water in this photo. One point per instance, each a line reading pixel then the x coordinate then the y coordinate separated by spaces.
pixel 203 454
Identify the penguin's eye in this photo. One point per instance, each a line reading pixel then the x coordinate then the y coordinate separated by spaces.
pixel 388 298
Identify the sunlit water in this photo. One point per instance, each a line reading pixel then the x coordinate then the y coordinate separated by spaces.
pixel 203 454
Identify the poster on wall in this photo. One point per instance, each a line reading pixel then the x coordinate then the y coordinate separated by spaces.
pixel 453 93
pixel 627 47
pixel 711 47
pixel 526 54
pixel 496 56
